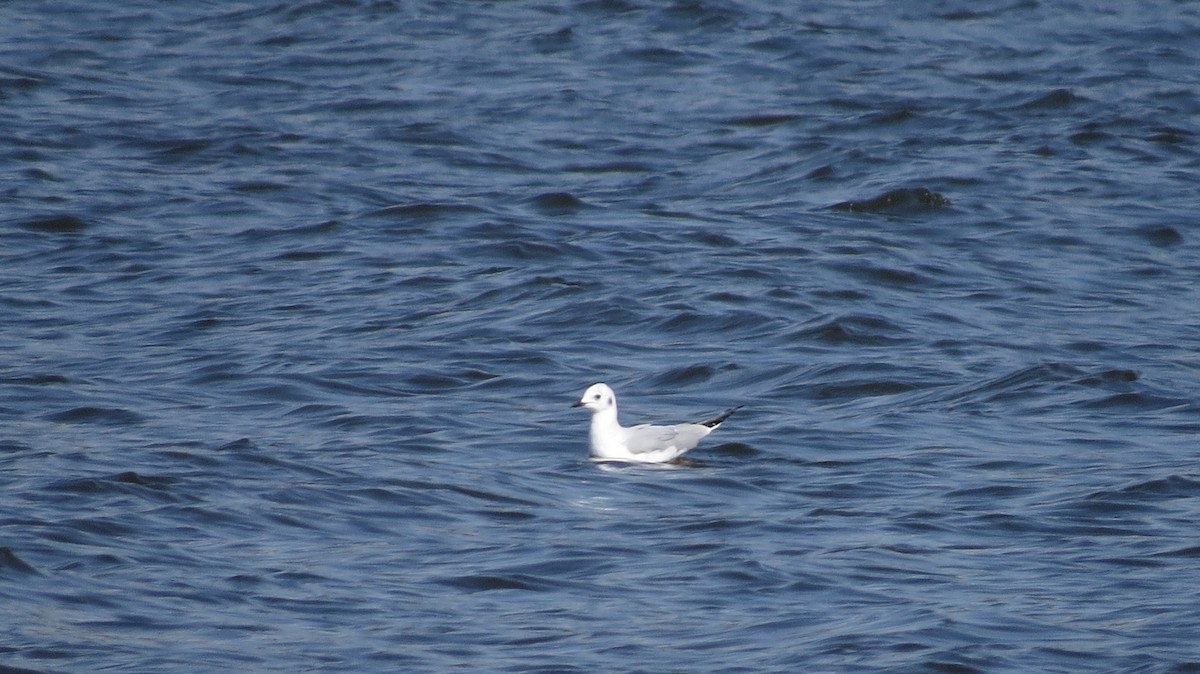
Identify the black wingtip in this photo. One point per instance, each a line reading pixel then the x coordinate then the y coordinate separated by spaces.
pixel 717 420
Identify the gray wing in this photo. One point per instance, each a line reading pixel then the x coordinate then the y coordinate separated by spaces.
pixel 646 439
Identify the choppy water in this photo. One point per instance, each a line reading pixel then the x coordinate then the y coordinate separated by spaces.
pixel 296 296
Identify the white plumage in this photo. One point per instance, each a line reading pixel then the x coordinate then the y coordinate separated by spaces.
pixel 610 441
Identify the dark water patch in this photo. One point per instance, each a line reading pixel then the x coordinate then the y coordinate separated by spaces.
pixel 735 450
pixel 1106 514
pixel 427 134
pixel 11 563
pixel 1023 385
pixel 898 201
pixel 18 302
pixel 595 313
pixel 826 172
pixel 281 391
pixel 848 295
pixel 558 203
pixel 619 166
pixel 564 565
pixel 315 410
pixel 553 42
pixel 202 324
pixel 5 669
pixel 1134 401
pixel 506 515
pixel 12 446
pixel 114 416
pixel 517 251
pixel 688 321
pixel 715 239
pixel 497 297
pixel 894 116
pixel 239 445
pixel 180 149
pixel 119 483
pixel 715 482
pixel 1091 133
pixel 1133 562
pixel 852 329
pixel 1007 465
pixel 663 56
pixel 39 174
pixel 763 120
pixel 17 79
pixel 259 187
pixel 366 105
pixel 1162 236
pixel 1169 135
pixel 1109 378
pixel 1191 551
pixel 704 16
pixel 433 381
pixel 863 389
pixel 130 621
pixel 428 211
pixel 687 375
pixel 54 224
pixel 726 297
pixel 501 232
pixel 950 667
pixel 306 255
pixel 988 492
pixel 130 477
pixel 290 521
pixel 1008 522
pixel 36 379
pixel 488 583
pixel 102 528
pixel 319 229
pixel 660 211
pixel 923 521
pixel 489 496
pixel 884 276
pixel 1174 486
pixel 714 524
pixel 828 512
pixel 1055 99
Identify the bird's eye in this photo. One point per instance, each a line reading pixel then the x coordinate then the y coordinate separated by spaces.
pixel 596 397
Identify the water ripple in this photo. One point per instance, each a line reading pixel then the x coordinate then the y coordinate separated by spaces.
pixel 297 298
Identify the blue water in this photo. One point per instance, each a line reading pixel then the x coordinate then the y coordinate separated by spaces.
pixel 295 298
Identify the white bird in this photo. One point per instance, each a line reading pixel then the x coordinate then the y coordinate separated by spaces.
pixel 639 444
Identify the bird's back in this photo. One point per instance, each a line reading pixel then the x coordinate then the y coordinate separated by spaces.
pixel 663 441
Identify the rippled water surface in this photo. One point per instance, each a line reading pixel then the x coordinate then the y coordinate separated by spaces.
pixel 295 298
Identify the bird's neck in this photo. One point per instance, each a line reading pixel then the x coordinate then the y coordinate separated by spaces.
pixel 605 419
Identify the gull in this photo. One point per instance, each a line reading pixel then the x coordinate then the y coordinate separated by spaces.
pixel 639 444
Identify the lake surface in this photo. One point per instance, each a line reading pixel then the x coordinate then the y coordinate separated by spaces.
pixel 295 298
